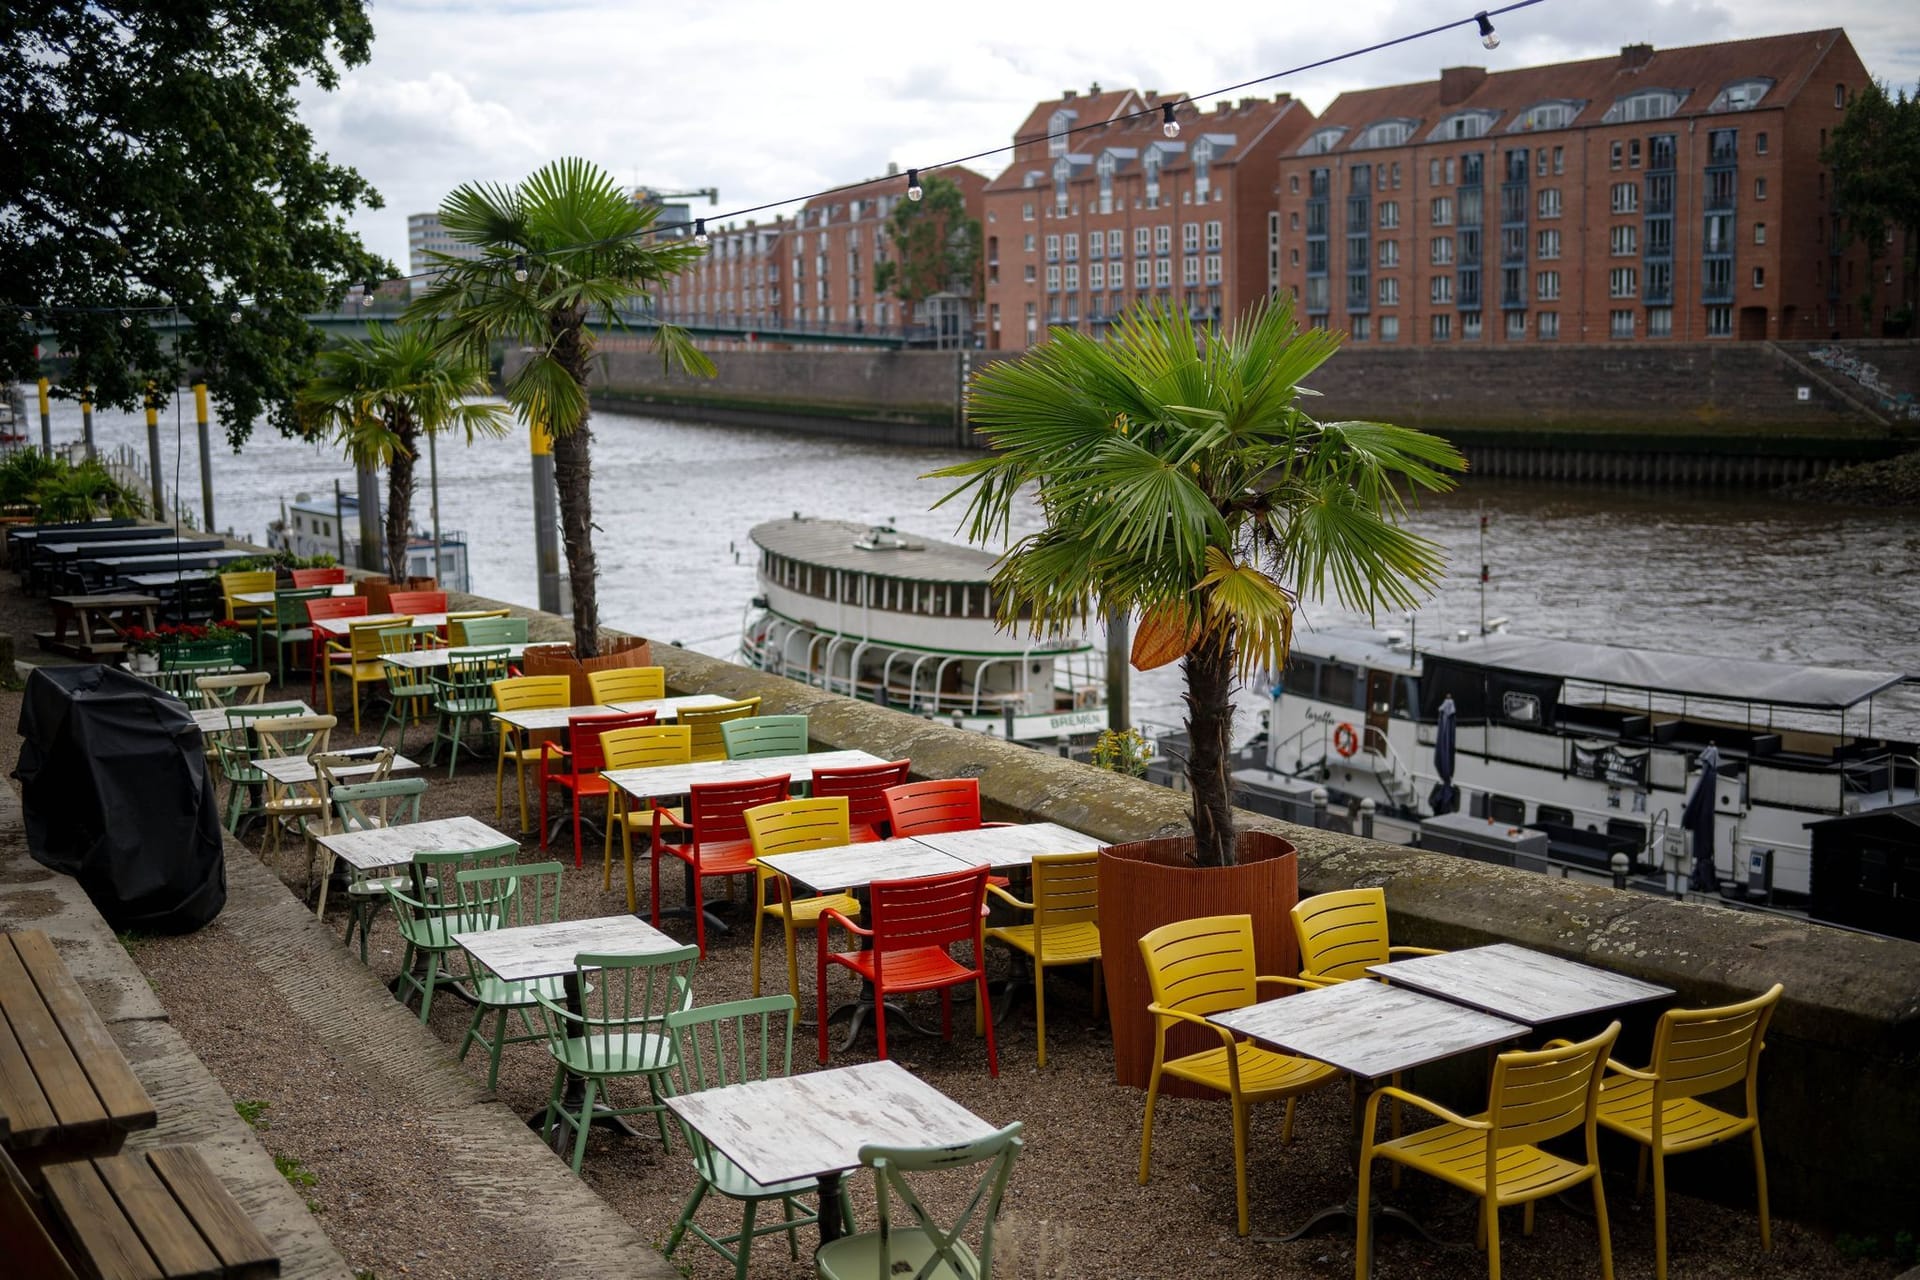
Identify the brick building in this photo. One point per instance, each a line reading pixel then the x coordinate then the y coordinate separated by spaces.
pixel 1099 209
pixel 1674 194
pixel 737 282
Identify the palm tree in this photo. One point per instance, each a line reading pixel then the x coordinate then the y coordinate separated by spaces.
pixel 565 246
pixel 1183 483
pixel 380 395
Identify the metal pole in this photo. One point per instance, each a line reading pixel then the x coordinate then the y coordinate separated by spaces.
pixel 153 457
pixel 1119 677
pixel 339 527
pixel 433 492
pixel 46 420
pixel 367 484
pixel 86 421
pixel 206 456
pixel 546 518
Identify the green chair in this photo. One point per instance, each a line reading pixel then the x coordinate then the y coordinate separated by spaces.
pixel 927 1248
pixel 287 626
pixel 725 1044
pixel 527 894
pixel 184 662
pixel 464 693
pixel 363 806
pixel 236 749
pixel 755 737
pixel 616 1031
pixel 495 631
pixel 429 915
pixel 408 688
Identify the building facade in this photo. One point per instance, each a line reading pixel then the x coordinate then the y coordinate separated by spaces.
pixel 426 236
pixel 736 283
pixel 1657 195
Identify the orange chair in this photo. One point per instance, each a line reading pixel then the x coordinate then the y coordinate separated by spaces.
pixel 915 925
pixel 936 805
pixel 325 609
pixel 865 787
pixel 717 843
pixel 585 758
pixel 417 602
pixel 331 576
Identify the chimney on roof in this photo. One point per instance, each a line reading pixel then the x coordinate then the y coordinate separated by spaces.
pixel 1222 107
pixel 1246 102
pixel 893 168
pixel 1283 97
pixel 1069 94
pixel 1635 56
pixel 1093 90
pixel 1152 94
pixel 1458 83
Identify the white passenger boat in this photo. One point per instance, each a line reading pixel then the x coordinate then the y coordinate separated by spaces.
pixel 876 614
pixel 1566 753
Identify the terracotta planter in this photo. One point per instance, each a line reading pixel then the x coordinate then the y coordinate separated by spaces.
pixel 1147 883
pixel 378 590
pixel 558 659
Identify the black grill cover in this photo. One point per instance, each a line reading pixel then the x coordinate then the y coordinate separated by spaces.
pixel 116 793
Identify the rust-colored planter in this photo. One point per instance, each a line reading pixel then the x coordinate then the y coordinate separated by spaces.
pixel 1147 883
pixel 558 659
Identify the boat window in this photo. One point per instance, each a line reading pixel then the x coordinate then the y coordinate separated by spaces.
pixel 1340 683
pixel 1553 813
pixel 1406 697
pixel 1506 809
pixel 1302 676
pixel 1627 829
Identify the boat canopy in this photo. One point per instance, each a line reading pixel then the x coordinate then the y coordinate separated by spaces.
pixel 864 548
pixel 1683 674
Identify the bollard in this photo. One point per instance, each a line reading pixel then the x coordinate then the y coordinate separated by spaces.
pixel 1620 863
pixel 1366 819
pixel 206 455
pixel 1006 713
pixel 1319 806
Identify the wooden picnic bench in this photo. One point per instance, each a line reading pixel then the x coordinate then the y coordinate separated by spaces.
pixel 106 616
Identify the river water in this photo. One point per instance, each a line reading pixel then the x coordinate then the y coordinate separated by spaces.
pixel 1740 576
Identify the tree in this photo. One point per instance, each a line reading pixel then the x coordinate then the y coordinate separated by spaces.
pixel 156 166
pixel 1182 482
pixel 1875 155
pixel 565 246
pixel 936 246
pixel 380 395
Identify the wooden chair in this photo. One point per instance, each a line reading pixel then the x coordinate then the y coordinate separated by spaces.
pixel 716 843
pixel 708 741
pixel 641 748
pixel 286 736
pixel 628 684
pixel 522 693
pixel 1065 928
pixel 792 826
pixel 235 689
pixel 916 924
pixel 575 768
pixel 865 788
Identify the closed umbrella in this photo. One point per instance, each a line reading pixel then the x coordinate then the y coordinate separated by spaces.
pixel 1445 798
pixel 1697 818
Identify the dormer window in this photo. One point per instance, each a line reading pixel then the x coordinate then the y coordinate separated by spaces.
pixel 1644 104
pixel 1057 131
pixel 1385 133
pixel 1463 124
pixel 1322 141
pixel 1150 166
pixel 1742 95
pixel 1555 114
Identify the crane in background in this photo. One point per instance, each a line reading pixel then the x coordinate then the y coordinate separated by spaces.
pixel 655 198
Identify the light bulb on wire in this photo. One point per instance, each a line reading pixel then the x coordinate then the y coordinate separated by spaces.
pixel 914 190
pixel 700 236
pixel 126 322
pixel 1168 125
pixel 233 317
pixel 1488 36
pixel 520 267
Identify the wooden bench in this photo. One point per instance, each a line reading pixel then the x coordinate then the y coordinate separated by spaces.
pixel 66 1090
pixel 154 1215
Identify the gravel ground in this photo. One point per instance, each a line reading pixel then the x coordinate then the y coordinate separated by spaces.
pixel 1073 1207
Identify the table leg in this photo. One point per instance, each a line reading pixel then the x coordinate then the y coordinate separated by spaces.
pixel 326 878
pixel 831 1226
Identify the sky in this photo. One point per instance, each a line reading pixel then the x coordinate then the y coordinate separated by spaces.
pixel 772 100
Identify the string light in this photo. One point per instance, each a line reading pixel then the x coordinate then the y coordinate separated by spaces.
pixel 233 317
pixel 700 236
pixel 914 191
pixel 1168 125
pixel 126 322
pixel 1488 37
pixel 520 267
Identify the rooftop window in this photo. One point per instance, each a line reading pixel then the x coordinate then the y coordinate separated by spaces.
pixel 1322 141
pixel 1644 104
pixel 1463 124
pixel 1385 133
pixel 1742 95
pixel 1555 114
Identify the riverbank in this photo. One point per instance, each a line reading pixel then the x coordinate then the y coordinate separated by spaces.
pixel 1890 482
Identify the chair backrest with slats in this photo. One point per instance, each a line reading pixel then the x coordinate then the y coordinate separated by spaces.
pixel 291 735
pixel 791 826
pixel 584 735
pixel 514 895
pixel 864 786
pixel 245 717
pixel 757 737
pixel 1203 965
pixel 708 741
pixel 290 607
pixel 928 911
pixel 491 631
pixel 1542 1093
pixel 1066 889
pixel 331 575
pixel 401 637
pixel 235 690
pixel 362 806
pixel 936 805
pixel 471 675
pixel 951 1254
pixel 531 693
pixel 322 608
pixel 732 1043
pixel 628 684
pixel 1341 933
pixel 1700 1051
pixel 365 640
pixel 417 601
pixel 624 1006
pixel 717 810
pixel 244 582
pixel 647 746
pixel 368 766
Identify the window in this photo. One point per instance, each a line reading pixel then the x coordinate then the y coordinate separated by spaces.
pixel 1029 273
pixel 1759 188
pixel 1116 241
pixel 1643 104
pixel 1516 325
pixel 1396 175
pixel 1142 273
pixel 1624 242
pixel 1547 325
pixel 1839 97
pixel 1659 322
pixel 1142 241
pixel 1547 245
pixel 1213 237
pixel 1759 277
pixel 1623 282
pixel 1719 233
pixel 1442 211
pixel 1323 141
pixel 1441 253
pixel 1557 114
pixel 1026 212
pixel 1053 279
pixel 1190 271
pixel 1470 326
pixel 1384 133
pixel 1295 255
pixel 1190 237
pixel 1389 328
pixel 1163 273
pixel 1389 253
pixel 1213 268
pixel 1097 276
pixel 1546 285
pixel 1073 246
pixel 1463 124
pixel 1659 237
pixel 1442 328
pixel 1633 154
pixel 1660 151
pixel 1162 241
pixel 1057 126
pixel 1549 202
pixel 1433 172
pixel 1390 292
pixel 1720 322
pixel 1613 156
pixel 1389 214
pixel 1759 144
pixel 1741 95
pixel 1073 279
pixel 1619 324
pixel 1440 290
pixel 1359 328
pixel 1759 233
pixel 1293 184
pixel 1053 248
pixel 1625 197
pixel 1029 242
pixel 1559 160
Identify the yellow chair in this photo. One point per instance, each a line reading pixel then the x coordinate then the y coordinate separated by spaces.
pixel 1065 928
pixel 457 622
pixel 288 736
pixel 1695 1052
pixel 1343 932
pixel 245 617
pixel 361 659
pixel 523 693
pixel 792 826
pixel 1204 966
pixel 639 748
pixel 708 742
pixel 1535 1095
pixel 628 684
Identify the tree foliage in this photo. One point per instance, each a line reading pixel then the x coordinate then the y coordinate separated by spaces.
pixel 1183 483
pixel 1875 155
pixel 936 246
pixel 154 159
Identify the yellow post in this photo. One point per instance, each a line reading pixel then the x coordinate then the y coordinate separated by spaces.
pixel 86 420
pixel 206 455
pixel 546 498
pixel 46 420
pixel 153 454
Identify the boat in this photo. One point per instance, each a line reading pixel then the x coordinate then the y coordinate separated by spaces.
pixel 1566 754
pixel 330 525
pixel 906 621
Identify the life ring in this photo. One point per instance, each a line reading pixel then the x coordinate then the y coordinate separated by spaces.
pixel 1345 740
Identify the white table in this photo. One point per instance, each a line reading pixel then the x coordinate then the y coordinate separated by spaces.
pixel 339 628
pixel 856 866
pixel 644 785
pixel 547 950
pixel 214 719
pixel 292 771
pixel 266 598
pixel 377 847
pixel 665 709
pixel 813 1125
pixel 1011 847
pixel 1515 982
pixel 421 659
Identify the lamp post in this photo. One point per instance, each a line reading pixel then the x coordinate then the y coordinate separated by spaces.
pixel 206 456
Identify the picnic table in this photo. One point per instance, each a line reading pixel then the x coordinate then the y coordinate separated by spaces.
pixel 109 613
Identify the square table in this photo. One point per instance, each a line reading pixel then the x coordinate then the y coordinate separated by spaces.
pixel 422 659
pixel 531 719
pixel 1010 847
pixel 341 628
pixel 1515 982
pixel 373 848
pixel 265 599
pixel 788 1128
pixel 214 719
pixel 857 866
pixel 665 709
pixel 293 771
pixel 644 785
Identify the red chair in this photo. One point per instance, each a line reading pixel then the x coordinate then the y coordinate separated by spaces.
pixel 331 576
pixel 718 843
pixel 327 608
pixel 417 602
pixel 915 925
pixel 864 786
pixel 936 805
pixel 585 760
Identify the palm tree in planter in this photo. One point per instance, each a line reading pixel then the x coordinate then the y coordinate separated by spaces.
pixel 1183 482
pixel 566 246
pixel 379 396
